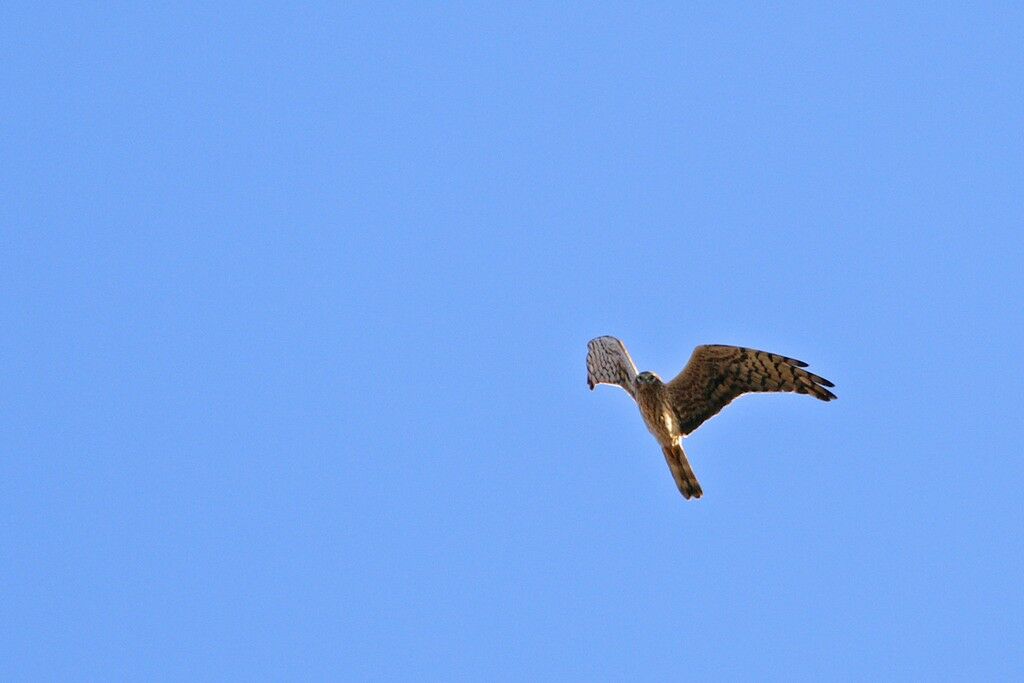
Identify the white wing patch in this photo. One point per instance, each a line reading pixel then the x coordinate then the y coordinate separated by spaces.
pixel 608 362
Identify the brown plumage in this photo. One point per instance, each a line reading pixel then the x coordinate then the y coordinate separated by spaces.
pixel 686 480
pixel 715 375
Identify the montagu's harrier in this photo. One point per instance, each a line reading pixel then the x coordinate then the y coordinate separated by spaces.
pixel 714 376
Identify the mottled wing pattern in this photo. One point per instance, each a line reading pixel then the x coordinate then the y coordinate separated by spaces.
pixel 608 362
pixel 717 374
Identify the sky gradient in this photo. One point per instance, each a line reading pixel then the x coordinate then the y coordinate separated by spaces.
pixel 295 310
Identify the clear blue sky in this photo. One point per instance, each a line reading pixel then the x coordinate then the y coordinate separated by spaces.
pixel 295 309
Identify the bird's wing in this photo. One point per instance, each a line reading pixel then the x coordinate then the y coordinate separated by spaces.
pixel 717 374
pixel 608 362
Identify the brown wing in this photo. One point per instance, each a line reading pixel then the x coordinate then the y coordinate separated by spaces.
pixel 608 362
pixel 717 374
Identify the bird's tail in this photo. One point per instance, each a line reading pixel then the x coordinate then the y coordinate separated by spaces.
pixel 686 480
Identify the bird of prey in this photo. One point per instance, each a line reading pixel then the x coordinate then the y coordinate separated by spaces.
pixel 715 375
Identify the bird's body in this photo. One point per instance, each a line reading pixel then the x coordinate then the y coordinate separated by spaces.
pixel 653 400
pixel 655 403
pixel 715 375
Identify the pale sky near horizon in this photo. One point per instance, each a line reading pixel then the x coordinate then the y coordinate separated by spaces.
pixel 295 310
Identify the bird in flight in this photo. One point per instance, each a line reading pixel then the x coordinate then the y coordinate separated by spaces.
pixel 715 375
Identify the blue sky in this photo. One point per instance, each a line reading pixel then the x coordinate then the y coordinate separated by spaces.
pixel 295 308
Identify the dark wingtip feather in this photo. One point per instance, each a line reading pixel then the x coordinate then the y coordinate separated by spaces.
pixel 824 394
pixel 820 380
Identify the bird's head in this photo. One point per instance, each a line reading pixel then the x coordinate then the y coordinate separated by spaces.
pixel 647 377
